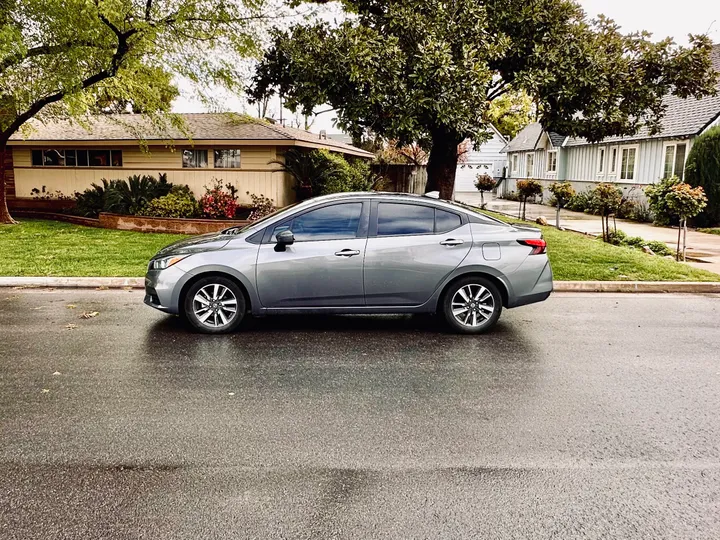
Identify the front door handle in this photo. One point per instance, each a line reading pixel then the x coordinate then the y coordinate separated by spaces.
pixel 452 242
pixel 347 253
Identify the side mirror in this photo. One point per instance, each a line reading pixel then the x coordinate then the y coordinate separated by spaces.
pixel 284 238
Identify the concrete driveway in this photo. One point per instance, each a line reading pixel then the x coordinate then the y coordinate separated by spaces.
pixel 583 417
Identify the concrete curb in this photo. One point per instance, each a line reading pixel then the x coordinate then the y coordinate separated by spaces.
pixel 73 282
pixel 560 286
pixel 637 287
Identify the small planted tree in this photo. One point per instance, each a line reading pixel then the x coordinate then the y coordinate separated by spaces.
pixel 685 202
pixel 526 189
pixel 484 182
pixel 656 196
pixel 563 193
pixel 605 199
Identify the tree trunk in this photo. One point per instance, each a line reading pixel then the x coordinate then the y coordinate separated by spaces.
pixel 685 239
pixel 482 200
pixel 557 216
pixel 5 216
pixel 677 251
pixel 442 164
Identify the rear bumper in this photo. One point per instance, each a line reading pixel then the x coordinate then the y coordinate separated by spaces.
pixel 538 292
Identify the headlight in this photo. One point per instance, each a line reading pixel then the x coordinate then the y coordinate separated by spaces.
pixel 165 262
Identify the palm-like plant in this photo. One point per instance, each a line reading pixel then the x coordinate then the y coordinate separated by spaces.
pixel 132 195
pixel 309 172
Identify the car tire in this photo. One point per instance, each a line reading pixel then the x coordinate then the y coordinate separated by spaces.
pixel 472 305
pixel 209 303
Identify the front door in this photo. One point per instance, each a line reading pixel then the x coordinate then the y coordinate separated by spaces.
pixel 411 249
pixel 324 267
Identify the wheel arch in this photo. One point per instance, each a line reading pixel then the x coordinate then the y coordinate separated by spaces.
pixel 219 273
pixel 499 283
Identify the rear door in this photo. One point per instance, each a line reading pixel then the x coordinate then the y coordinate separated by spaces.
pixel 411 248
pixel 324 267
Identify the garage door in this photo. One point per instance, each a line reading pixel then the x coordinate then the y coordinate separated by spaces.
pixel 465 176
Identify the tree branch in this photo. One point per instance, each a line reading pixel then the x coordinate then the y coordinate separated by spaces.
pixel 42 50
pixel 148 9
pixel 502 88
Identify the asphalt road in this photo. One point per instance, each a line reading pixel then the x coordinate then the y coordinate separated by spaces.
pixel 584 417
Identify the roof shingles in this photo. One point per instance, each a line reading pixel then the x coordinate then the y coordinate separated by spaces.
pixel 201 127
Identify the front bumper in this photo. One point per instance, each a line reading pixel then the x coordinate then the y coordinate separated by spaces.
pixel 162 289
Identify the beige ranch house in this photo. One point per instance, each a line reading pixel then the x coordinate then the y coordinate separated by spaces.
pixel 68 157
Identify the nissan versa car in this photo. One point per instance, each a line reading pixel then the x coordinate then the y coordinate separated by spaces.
pixel 354 253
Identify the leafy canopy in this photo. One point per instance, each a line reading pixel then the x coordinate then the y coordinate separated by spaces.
pixel 425 70
pixel 703 169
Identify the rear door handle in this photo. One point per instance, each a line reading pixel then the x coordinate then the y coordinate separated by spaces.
pixel 347 253
pixel 452 242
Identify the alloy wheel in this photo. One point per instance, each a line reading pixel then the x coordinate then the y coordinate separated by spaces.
pixel 473 305
pixel 214 305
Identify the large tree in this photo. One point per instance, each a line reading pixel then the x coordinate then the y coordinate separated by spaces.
pixel 428 71
pixel 69 58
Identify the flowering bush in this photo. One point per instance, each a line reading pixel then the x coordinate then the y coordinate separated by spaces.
pixel 219 202
pixel 262 206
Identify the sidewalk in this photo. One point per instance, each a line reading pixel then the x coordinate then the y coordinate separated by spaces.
pixel 701 246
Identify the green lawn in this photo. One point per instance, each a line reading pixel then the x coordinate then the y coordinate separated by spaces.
pixel 49 248
pixel 576 257
pixel 714 230
pixel 52 248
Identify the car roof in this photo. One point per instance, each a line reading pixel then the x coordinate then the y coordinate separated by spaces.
pixel 386 195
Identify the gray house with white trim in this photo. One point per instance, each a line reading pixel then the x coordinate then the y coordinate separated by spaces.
pixel 634 161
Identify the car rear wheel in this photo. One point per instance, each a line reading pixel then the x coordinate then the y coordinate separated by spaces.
pixel 214 305
pixel 472 305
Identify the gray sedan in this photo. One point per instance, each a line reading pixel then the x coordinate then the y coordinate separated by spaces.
pixel 354 253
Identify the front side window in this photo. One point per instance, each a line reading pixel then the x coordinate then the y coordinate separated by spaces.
pixel 227 158
pixel 404 219
pixel 66 157
pixel 336 222
pixel 194 159
pixel 675 160
pixel 601 161
pixel 627 163
pixel 552 162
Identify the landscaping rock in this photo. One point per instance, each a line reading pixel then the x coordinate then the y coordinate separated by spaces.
pixel 541 221
pixel 648 250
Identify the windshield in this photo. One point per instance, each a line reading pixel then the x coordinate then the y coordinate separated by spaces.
pixel 243 228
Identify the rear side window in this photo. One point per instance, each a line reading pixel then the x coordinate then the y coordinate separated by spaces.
pixel 404 219
pixel 446 221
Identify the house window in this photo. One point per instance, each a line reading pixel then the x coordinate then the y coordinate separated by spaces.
pixel 515 163
pixel 552 161
pixel 227 158
pixel 601 162
pixel 628 157
pixel 529 165
pixel 55 157
pixel 675 160
pixel 194 159
pixel 613 160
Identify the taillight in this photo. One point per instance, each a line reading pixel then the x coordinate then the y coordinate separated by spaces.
pixel 538 244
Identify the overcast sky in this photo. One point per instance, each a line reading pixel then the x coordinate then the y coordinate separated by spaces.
pixel 661 17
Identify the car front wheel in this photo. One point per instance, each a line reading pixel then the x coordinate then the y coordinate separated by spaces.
pixel 472 305
pixel 214 305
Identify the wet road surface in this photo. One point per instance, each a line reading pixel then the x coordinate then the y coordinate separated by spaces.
pixel 584 417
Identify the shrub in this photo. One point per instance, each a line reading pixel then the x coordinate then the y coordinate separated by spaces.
pixel 580 202
pixel 641 212
pixel 635 241
pixel 656 194
pixel 219 202
pixel 562 194
pixel 685 202
pixel 91 202
pixel 179 203
pixel 703 170
pixel 616 238
pixel 262 206
pixel 512 196
pixel 45 194
pixel 131 196
pixel 659 248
